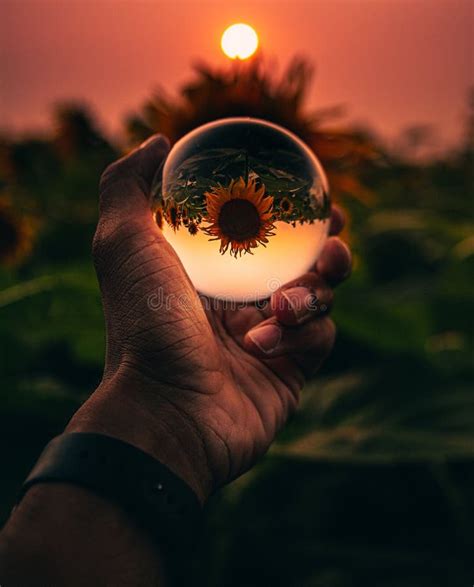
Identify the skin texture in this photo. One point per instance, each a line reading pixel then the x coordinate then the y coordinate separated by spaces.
pixel 201 387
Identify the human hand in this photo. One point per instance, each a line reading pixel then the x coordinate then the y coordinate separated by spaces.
pixel 202 387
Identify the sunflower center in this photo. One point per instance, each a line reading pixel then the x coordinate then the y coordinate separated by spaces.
pixel 239 220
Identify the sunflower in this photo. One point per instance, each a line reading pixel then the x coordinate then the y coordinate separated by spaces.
pixel 159 217
pixel 286 206
pixel 173 216
pixel 192 228
pixel 240 216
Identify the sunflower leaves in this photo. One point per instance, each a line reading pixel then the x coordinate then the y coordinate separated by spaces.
pixel 276 170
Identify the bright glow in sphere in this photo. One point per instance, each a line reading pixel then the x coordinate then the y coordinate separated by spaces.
pixel 239 41
pixel 245 205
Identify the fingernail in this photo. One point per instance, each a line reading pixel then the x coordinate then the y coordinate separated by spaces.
pixel 266 337
pixel 302 302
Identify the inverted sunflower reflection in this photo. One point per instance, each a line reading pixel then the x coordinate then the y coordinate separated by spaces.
pixel 242 188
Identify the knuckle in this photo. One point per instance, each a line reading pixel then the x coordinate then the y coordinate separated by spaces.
pixel 328 334
pixel 293 401
pixel 113 239
pixel 100 245
pixel 109 171
pixel 327 299
pixel 106 237
pixel 113 172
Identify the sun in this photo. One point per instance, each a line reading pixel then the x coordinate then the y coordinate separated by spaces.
pixel 239 41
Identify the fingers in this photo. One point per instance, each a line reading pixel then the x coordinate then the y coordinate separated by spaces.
pixel 336 259
pixel 125 185
pixel 337 220
pixel 298 327
pixel 335 262
pixel 301 300
pixel 322 336
pixel 309 343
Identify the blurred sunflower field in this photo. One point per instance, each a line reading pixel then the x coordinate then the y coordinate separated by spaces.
pixel 372 482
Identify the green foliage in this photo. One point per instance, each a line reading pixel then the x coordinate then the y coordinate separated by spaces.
pixel 219 167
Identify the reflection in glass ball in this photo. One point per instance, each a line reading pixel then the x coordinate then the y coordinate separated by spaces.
pixel 245 205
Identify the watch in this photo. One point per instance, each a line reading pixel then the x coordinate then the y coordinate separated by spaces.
pixel 159 501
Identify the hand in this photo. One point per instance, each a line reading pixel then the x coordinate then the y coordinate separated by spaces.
pixel 203 389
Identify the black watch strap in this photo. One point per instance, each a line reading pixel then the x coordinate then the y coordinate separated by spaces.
pixel 160 502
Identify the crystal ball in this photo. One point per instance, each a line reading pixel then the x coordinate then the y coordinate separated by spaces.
pixel 245 205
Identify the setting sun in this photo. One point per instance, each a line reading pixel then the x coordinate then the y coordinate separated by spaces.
pixel 239 41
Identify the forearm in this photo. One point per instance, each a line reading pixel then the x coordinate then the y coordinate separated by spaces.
pixel 64 535
pixel 61 534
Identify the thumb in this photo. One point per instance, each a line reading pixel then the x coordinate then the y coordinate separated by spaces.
pixel 125 186
pixel 126 223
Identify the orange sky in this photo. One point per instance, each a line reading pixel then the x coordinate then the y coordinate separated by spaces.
pixel 393 62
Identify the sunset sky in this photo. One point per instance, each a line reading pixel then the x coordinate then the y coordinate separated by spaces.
pixel 393 62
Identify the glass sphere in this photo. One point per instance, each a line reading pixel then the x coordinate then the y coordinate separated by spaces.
pixel 245 205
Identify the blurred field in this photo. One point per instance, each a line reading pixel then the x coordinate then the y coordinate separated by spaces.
pixel 372 482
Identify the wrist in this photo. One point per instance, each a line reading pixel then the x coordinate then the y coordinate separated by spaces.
pixel 139 413
pixel 47 541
